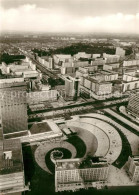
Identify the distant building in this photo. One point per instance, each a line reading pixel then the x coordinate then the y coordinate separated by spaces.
pixel 133 168
pixel 19 69
pixel 13 105
pixel 82 72
pixel 99 62
pixel 88 84
pixel 79 63
pixel 137 56
pixel 120 51
pixel 105 75
pixel 133 105
pixel 111 58
pixel 30 74
pixel 71 87
pixel 103 40
pixel 59 58
pixel 131 63
pixel 67 70
pixel 98 83
pixel 75 174
pixel 125 44
pixel 112 66
pixel 96 55
pixel 5 69
pixel 42 96
pixel 26 69
pixel 130 81
pixel 48 62
pixel 82 55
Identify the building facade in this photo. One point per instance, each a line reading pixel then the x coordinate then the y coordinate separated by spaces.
pixel 12 178
pixel 120 51
pixel 131 63
pixel 71 87
pixel 133 168
pixel 99 88
pixel 74 174
pixel 133 105
pixel 13 105
pixel 42 96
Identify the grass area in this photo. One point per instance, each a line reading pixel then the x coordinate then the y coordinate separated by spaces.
pixel 79 145
pixel 5 57
pixel 126 148
pixel 79 47
pixel 122 123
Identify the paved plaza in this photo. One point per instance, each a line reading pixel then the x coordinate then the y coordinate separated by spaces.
pixel 44 148
pixel 98 135
pixel 109 140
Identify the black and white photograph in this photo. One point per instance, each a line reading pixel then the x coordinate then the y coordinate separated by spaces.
pixel 69 97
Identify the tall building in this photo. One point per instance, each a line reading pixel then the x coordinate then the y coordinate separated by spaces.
pixel 133 168
pixel 72 87
pixel 12 178
pixel 13 105
pixel 74 174
pixel 133 105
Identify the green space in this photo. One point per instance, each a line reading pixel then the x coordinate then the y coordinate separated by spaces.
pixel 126 148
pixel 78 47
pixel 90 48
pixel 79 145
pixel 5 57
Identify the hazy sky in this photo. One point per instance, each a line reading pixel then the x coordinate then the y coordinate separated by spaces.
pixel 70 15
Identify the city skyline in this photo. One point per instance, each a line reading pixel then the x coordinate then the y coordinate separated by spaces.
pixel 69 109
pixel 70 16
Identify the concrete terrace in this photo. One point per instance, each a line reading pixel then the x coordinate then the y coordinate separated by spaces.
pixel 109 141
pixel 131 137
pixel 44 148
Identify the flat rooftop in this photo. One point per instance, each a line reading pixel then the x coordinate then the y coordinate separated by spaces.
pixel 12 84
pixel 40 127
pixel 12 80
pixel 16 134
pixel 44 126
pixel 70 164
pixel 63 56
pixel 95 80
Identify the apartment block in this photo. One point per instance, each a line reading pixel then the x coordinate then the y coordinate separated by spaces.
pixel 75 174
pixel 133 168
pixel 13 105
pixel 133 105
